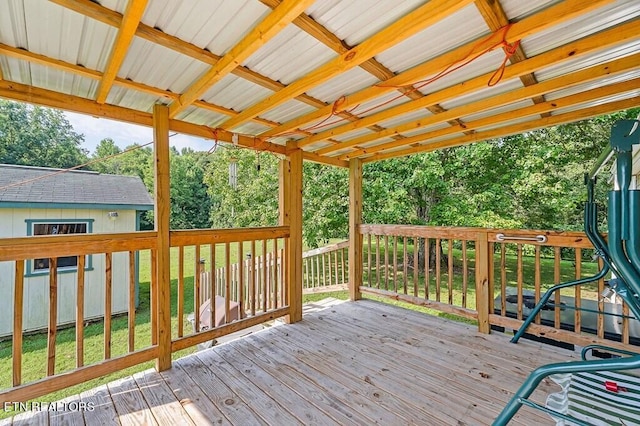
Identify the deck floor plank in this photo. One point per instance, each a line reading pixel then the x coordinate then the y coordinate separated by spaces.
pixel 67 412
pixel 326 404
pixel 350 363
pixel 260 402
pixel 129 403
pixel 234 408
pixel 193 399
pixel 164 406
pixel 103 412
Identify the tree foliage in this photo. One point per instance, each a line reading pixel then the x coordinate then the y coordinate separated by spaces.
pixel 35 136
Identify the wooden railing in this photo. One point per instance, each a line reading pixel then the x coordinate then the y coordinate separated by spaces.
pixel 99 299
pixel 496 276
pixel 104 263
pixel 325 268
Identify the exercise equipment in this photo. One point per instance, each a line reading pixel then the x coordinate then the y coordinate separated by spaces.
pixel 621 256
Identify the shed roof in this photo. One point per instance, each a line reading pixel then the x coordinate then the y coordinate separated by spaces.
pixel 51 188
pixel 340 78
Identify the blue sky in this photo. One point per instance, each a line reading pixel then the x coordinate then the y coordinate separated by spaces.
pixel 124 134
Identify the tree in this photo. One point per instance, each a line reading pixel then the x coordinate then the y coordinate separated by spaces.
pixel 108 148
pixel 35 136
pixel 190 202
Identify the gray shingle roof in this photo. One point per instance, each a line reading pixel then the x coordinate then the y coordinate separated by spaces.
pixel 74 187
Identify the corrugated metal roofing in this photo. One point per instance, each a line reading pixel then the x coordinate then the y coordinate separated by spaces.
pixel 295 72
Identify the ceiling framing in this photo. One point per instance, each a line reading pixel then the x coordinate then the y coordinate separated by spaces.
pixel 339 79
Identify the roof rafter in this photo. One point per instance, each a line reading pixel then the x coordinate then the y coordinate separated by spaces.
pixel 48 98
pixel 123 82
pixel 540 108
pixel 546 18
pixel 275 22
pixel 553 120
pixel 549 58
pixel 131 19
pixel 401 29
pixel 495 17
pixel 568 80
pixel 156 36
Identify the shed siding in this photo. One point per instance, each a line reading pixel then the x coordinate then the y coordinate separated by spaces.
pixel 13 224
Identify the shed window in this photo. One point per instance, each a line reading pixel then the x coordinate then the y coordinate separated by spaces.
pixel 58 229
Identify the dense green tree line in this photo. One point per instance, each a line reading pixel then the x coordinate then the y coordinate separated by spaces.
pixel 531 180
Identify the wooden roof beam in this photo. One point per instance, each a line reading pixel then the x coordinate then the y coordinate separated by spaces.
pixel 495 17
pixel 546 18
pixel 528 126
pixel 123 82
pixel 275 22
pixel 130 21
pixel 541 108
pixel 583 46
pixel 568 80
pixel 399 30
pixel 114 19
pixel 48 98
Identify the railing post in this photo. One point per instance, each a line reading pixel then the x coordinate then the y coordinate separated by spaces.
pixel 291 214
pixel 355 220
pixel 483 296
pixel 161 215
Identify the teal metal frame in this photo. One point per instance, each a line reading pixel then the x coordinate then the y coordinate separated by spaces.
pixel 622 256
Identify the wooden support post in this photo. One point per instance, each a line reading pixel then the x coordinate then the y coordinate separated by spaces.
pixel 484 300
pixel 291 214
pixel 161 215
pixel 355 237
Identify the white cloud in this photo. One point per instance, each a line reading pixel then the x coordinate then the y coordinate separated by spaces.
pixel 124 134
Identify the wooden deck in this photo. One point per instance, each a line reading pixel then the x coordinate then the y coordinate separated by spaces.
pixel 351 363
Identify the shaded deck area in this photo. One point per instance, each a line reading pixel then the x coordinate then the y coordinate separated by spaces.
pixel 350 363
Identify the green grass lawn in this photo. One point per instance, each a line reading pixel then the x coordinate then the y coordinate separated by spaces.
pixel 34 347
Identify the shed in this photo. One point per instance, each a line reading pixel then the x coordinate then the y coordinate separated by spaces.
pixel 44 201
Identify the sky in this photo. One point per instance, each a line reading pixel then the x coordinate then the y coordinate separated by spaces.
pixel 124 134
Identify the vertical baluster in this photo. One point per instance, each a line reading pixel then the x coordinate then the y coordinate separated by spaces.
pixel 438 262
pixel 369 257
pixel 492 273
pixel 154 298
pixel 427 260
pixel 80 311
pixel 600 326
pixel 344 268
pixel 405 265
pixel 537 280
pixel 556 278
pixel 450 270
pixel 197 300
pixel 274 277
pixel 330 268
pixel 416 245
pixel 625 323
pixel 18 302
pixel 578 292
pixel 395 264
pixel 281 277
pixel 240 280
pixel 285 275
pixel 503 279
pixel 264 276
pixel 212 296
pixel 324 271
pixel 181 295
pixel 520 280
pixel 227 283
pixel 108 285
pixel 377 261
pixel 252 278
pixel 465 271
pixel 386 262
pixel 313 271
pixel 53 316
